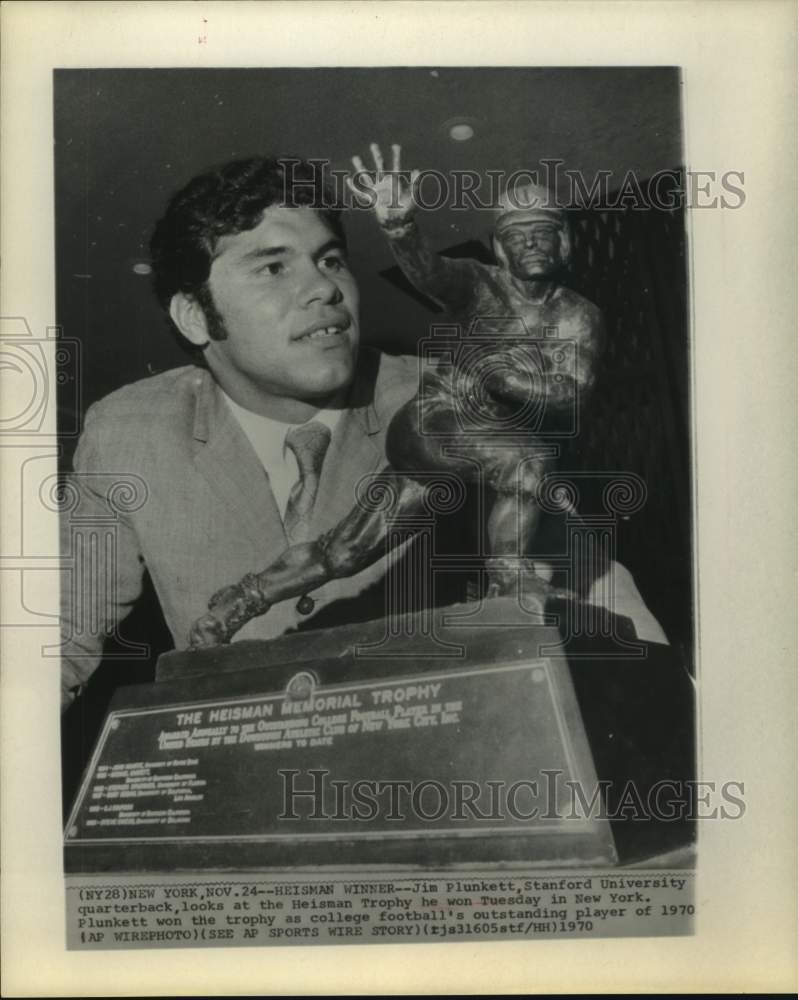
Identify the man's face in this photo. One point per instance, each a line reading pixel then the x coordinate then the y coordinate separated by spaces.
pixel 531 245
pixel 289 305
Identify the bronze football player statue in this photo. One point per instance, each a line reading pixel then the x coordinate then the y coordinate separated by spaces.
pixel 534 363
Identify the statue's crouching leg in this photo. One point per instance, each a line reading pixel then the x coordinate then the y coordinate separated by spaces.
pixel 513 521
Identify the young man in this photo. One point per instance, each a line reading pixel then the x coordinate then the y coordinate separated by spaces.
pixel 210 471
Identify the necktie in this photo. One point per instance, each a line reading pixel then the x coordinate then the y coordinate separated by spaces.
pixel 309 442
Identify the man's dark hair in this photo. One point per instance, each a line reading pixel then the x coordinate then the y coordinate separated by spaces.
pixel 228 200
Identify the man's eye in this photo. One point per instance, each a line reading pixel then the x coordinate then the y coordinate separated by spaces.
pixel 274 268
pixel 333 263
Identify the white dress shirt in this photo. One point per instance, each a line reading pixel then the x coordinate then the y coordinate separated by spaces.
pixel 267 437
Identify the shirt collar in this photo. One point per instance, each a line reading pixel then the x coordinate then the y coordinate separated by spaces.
pixel 360 401
pixel 271 433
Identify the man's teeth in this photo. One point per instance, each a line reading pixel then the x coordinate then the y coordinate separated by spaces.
pixel 326 331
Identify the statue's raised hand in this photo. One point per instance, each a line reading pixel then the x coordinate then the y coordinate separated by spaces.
pixel 390 194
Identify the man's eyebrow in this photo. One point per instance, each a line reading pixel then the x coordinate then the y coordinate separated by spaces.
pixel 332 244
pixel 259 252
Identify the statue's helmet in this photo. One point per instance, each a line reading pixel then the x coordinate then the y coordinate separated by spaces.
pixel 531 202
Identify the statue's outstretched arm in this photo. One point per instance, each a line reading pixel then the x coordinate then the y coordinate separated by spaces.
pixel 394 199
pixel 352 545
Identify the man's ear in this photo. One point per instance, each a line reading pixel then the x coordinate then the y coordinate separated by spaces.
pixel 189 317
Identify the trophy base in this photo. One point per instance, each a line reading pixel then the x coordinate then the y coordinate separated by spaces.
pixel 476 747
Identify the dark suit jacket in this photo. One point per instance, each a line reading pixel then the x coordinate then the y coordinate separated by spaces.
pixel 165 479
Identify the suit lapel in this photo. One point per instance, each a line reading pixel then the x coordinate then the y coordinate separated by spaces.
pixel 357 448
pixel 353 452
pixel 227 461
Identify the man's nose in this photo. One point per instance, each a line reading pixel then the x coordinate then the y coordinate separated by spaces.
pixel 531 240
pixel 319 287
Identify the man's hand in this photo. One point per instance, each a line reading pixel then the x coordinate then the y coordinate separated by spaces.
pixel 390 195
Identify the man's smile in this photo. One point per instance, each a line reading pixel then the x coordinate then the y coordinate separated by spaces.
pixel 329 329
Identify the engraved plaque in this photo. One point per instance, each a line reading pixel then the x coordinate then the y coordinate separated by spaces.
pixel 489 744
pixel 338 762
